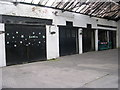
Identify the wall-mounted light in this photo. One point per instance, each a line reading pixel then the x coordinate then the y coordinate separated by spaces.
pixel 81 32
pixel 51 32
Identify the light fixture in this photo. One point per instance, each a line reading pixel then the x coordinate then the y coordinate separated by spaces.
pixel 81 32
pixel 51 32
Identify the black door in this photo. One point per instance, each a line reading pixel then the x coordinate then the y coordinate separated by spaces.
pixel 112 38
pixel 68 40
pixel 102 35
pixel 88 37
pixel 25 43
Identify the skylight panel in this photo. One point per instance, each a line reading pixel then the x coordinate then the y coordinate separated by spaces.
pixel 50 2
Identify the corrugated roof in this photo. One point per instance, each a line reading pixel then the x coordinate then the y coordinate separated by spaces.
pixel 108 9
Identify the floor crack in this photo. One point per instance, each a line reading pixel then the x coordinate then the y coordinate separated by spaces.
pixel 95 79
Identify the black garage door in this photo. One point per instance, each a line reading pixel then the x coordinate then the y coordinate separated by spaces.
pixel 88 40
pixel 25 43
pixel 102 35
pixel 112 38
pixel 68 40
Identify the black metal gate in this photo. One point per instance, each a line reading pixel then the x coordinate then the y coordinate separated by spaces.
pixel 112 38
pixel 88 36
pixel 25 43
pixel 68 40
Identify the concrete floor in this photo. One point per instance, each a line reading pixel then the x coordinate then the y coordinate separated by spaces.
pixel 88 70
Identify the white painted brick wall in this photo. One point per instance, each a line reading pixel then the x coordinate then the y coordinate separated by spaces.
pixel 52 42
pixel 2 47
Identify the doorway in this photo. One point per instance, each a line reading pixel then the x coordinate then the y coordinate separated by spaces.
pixel 68 40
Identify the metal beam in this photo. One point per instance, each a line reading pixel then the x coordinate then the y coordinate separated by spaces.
pixel 109 12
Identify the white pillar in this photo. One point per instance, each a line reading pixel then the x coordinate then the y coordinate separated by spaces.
pixel 108 38
pixel 2 47
pixel 117 38
pixel 80 41
pixel 52 42
pixel 96 40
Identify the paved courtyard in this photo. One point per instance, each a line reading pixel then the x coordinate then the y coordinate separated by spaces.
pixel 88 70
